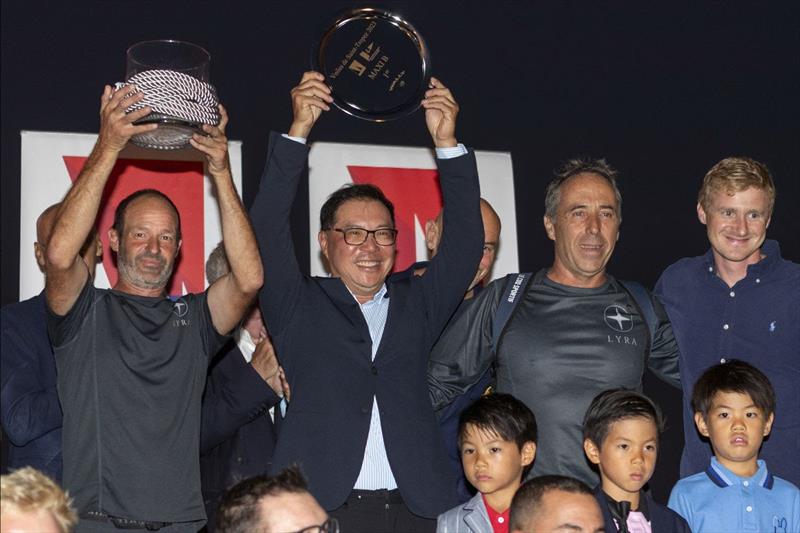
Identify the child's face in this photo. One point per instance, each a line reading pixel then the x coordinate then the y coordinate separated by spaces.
pixel 735 427
pixel 494 465
pixel 627 457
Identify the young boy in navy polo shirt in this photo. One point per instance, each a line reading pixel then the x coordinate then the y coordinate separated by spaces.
pixel 620 431
pixel 734 406
pixel 497 439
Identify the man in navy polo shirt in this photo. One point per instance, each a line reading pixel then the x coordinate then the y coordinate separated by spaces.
pixel 739 300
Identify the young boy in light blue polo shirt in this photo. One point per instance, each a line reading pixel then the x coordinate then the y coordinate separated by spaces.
pixel 734 406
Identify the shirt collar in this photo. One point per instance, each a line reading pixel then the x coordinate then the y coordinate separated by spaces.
pixel 770 249
pixel 722 477
pixel 643 507
pixel 382 292
pixel 498 520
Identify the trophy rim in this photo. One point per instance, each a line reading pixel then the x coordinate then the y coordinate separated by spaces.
pixel 154 118
pixel 368 13
pixel 169 41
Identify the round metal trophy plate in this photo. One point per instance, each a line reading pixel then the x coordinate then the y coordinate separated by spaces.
pixel 376 64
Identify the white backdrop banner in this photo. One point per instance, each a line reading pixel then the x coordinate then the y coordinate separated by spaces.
pixel 409 178
pixel 51 162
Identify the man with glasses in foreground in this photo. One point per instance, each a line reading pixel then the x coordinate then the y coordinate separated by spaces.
pixel 279 504
pixel 355 346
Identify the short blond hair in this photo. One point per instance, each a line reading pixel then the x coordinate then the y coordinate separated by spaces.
pixel 27 491
pixel 737 174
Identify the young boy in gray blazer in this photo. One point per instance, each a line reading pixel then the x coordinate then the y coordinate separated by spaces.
pixel 497 439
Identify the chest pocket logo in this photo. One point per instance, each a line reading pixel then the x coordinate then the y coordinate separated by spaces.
pixel 180 308
pixel 617 318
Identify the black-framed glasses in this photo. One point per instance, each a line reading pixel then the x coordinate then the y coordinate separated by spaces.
pixel 331 525
pixel 356 236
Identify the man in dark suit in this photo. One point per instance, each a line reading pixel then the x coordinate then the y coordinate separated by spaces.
pixel 31 413
pixel 355 346
pixel 239 413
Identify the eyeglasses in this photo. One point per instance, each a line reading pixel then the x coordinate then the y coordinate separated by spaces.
pixel 331 525
pixel 356 236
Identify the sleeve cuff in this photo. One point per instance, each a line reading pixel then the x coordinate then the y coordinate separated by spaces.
pixel 301 140
pixel 451 152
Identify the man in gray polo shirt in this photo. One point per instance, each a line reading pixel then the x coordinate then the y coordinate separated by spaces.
pixel 132 362
pixel 576 332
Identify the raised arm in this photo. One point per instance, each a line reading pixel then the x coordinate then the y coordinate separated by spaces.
pixel 286 160
pixel 454 266
pixel 231 295
pixel 66 273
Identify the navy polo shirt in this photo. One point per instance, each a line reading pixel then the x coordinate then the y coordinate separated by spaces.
pixel 758 321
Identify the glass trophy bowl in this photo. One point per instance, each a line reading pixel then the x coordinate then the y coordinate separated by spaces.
pixel 178 56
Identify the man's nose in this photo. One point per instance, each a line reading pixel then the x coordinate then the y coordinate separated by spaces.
pixel 593 223
pixel 371 242
pixel 740 224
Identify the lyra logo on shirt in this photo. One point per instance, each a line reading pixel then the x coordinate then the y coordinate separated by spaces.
pixel 779 525
pixel 180 308
pixel 620 320
pixel 617 318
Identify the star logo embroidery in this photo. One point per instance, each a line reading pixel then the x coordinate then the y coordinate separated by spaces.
pixel 617 318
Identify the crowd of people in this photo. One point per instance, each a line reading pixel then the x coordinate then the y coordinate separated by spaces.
pixel 415 401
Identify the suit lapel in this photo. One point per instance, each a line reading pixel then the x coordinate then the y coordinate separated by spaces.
pixel 398 294
pixel 476 516
pixel 344 302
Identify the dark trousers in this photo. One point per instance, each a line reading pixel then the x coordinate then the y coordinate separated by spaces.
pixel 379 511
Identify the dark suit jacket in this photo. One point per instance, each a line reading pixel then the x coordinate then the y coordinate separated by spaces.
pixel 662 518
pixel 325 346
pixel 31 412
pixel 237 436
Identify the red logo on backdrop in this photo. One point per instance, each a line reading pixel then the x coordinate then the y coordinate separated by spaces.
pixel 415 193
pixel 182 181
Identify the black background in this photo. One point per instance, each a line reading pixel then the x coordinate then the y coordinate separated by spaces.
pixel 663 91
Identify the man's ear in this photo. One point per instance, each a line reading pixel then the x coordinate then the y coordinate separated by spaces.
pixel 592 451
pixel 528 452
pixel 700 422
pixel 701 213
pixel 322 239
pixel 38 251
pixel 432 235
pixel 113 240
pixel 550 228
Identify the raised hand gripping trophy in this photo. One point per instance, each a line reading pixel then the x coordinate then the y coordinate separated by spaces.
pixel 174 77
pixel 375 62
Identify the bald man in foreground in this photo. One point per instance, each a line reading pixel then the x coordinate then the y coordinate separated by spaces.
pixel 31 412
pixel 555 504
